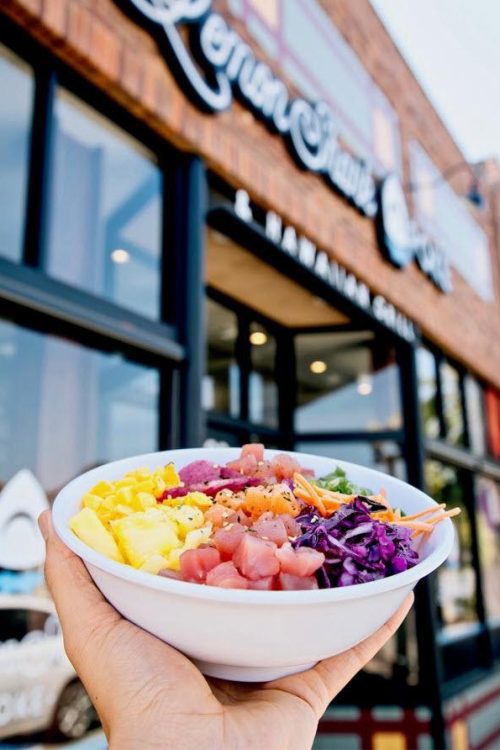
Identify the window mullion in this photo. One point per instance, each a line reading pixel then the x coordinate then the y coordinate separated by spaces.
pixel 38 183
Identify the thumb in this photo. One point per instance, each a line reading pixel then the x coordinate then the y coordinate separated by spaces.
pixel 85 616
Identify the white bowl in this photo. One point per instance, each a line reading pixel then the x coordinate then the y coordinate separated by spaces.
pixel 251 635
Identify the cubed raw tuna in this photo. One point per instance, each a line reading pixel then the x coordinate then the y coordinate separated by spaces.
pixel 196 563
pixel 226 576
pixel 255 558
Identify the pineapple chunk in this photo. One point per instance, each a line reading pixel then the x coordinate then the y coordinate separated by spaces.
pixel 102 489
pixel 198 499
pixel 154 563
pixel 193 540
pixel 91 501
pixel 87 526
pixel 187 518
pixel 141 535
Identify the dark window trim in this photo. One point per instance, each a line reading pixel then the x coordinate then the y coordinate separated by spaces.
pixel 396 436
pixel 27 288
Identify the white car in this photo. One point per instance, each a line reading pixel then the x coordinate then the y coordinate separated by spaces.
pixel 39 689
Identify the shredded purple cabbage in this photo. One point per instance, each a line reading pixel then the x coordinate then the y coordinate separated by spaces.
pixel 357 548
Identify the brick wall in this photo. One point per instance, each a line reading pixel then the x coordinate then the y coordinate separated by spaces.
pixel 95 37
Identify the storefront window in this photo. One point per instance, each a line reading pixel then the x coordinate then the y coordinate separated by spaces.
pixel 382 455
pixel 65 408
pixel 427 392
pixel 452 404
pixel 105 210
pixel 16 95
pixel 262 386
pixel 456 578
pixel 346 381
pixel 475 415
pixel 221 384
pixel 488 530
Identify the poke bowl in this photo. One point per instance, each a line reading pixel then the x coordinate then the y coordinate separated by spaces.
pixel 232 622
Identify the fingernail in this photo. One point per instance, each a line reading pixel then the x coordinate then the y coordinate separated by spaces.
pixel 43 523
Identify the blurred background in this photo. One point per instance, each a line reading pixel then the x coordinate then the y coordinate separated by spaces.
pixel 175 275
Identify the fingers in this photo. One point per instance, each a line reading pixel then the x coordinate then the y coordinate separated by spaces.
pixel 83 612
pixel 337 671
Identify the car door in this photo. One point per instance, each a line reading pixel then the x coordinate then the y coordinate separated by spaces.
pixel 33 668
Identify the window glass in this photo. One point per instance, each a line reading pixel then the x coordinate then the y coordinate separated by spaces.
pixel 382 455
pixel 452 404
pixel 488 531
pixel 65 408
pixel 346 381
pixel 475 414
pixel 16 95
pixel 427 392
pixel 105 210
pixel 221 384
pixel 19 624
pixel 456 578
pixel 262 387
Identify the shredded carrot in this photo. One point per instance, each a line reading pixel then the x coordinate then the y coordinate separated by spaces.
pixel 312 496
pixel 327 502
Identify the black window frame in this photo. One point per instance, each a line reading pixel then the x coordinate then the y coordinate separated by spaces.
pixel 30 297
pixel 477 650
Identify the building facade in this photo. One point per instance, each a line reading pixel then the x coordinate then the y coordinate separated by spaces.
pixel 244 220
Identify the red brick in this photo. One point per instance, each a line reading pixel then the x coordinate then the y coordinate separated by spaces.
pixel 79 25
pixel 105 49
pixel 54 15
pixel 131 73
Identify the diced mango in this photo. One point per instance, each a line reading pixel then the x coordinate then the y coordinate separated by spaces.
pixel 145 500
pixel 87 526
pixel 146 485
pixel 91 501
pixel 102 489
pixel 141 535
pixel 125 495
pixel 170 476
pixel 127 482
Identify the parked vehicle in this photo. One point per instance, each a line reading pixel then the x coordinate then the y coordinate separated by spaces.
pixel 39 689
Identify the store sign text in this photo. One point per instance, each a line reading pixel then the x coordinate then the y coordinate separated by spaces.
pixel 218 65
pixel 305 252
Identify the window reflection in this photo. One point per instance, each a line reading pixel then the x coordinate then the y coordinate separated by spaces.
pixel 456 578
pixel 346 381
pixel 427 392
pixel 382 455
pixel 221 384
pixel 16 95
pixel 475 415
pixel 262 387
pixel 488 531
pixel 65 407
pixel 105 210
pixel 452 404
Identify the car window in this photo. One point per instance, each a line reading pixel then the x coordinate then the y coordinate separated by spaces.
pixel 20 624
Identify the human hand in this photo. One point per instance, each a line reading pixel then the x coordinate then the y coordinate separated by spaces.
pixel 148 695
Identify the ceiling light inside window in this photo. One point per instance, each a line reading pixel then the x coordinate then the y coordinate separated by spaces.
pixel 318 367
pixel 258 338
pixel 120 256
pixel 364 386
